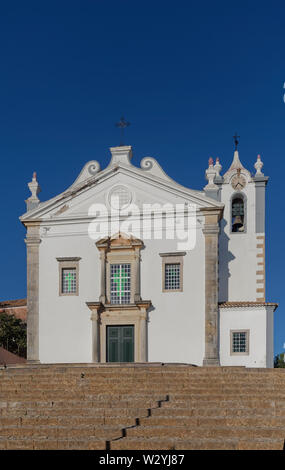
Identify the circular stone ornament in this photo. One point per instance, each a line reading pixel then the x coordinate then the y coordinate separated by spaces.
pixel 120 197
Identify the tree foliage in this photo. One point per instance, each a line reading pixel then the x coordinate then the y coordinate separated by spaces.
pixel 13 334
pixel 279 360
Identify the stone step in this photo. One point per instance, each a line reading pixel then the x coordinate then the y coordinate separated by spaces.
pixel 104 404
pixel 14 373
pixel 121 421
pixel 225 400
pixel 230 421
pixel 209 411
pixel 182 432
pixel 71 411
pixel 196 444
pixel 52 444
pixel 175 384
pixel 84 395
pixel 225 373
pixel 141 412
pixel 82 375
pixel 199 376
pixel 95 403
pixel 62 432
pixel 175 387
pixel 134 369
pixel 145 388
pixel 59 405
pixel 256 374
pixel 174 397
pixel 114 412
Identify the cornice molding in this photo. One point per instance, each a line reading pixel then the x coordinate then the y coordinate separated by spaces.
pixel 78 258
pixel 213 211
pixel 174 253
pixel 211 229
pixel 99 307
pixel 32 241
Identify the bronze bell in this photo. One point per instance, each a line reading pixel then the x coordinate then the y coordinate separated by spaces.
pixel 237 224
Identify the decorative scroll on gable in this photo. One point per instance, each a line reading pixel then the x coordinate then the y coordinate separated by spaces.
pixel 150 165
pixel 90 169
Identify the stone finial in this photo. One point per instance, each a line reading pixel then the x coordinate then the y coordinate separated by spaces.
pixel 121 154
pixel 218 167
pixel 258 165
pixel 210 176
pixel 34 187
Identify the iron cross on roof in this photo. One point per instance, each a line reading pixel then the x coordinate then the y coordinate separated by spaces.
pixel 236 137
pixel 122 124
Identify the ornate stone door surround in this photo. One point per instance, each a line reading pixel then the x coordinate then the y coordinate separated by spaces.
pixel 116 250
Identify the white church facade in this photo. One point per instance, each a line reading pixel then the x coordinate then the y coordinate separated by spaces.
pixel 106 287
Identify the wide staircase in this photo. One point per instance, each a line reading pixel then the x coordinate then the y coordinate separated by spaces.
pixel 142 406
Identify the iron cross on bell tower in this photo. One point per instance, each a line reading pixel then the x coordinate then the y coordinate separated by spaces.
pixel 122 124
pixel 236 137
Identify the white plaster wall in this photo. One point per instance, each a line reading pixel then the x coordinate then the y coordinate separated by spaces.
pixel 238 262
pixel 176 328
pixel 253 319
pixel 176 323
pixel 64 322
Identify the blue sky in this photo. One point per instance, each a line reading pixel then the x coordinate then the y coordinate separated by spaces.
pixel 186 74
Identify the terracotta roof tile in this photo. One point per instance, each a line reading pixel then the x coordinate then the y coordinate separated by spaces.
pixel 6 357
pixel 13 303
pixel 17 308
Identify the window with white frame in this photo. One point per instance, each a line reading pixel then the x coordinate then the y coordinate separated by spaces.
pixel 172 276
pixel 240 342
pixel 120 283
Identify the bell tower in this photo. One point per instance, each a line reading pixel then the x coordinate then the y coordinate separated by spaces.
pixel 242 230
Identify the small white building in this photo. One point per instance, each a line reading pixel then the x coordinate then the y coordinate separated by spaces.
pixel 126 265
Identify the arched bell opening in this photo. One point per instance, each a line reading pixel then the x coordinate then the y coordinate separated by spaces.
pixel 238 214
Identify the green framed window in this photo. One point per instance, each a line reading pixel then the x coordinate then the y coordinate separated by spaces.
pixel 69 281
pixel 120 283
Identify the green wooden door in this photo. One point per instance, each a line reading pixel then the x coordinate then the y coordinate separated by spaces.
pixel 120 343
